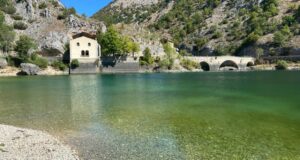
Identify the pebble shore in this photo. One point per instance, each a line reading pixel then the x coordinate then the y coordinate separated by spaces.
pixel 26 144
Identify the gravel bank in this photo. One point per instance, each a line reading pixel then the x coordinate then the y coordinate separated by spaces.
pixel 25 144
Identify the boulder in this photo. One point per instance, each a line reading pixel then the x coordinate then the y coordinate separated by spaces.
pixel 29 69
pixel 3 63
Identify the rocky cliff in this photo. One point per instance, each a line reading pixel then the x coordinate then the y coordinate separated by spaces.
pixel 49 23
pixel 215 27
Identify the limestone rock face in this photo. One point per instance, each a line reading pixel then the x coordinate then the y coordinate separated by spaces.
pixel 54 42
pixel 76 24
pixel 3 63
pixel 49 32
pixel 30 69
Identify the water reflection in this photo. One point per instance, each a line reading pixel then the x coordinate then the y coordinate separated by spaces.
pixel 161 116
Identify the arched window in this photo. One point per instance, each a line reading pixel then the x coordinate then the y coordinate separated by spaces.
pixel 87 53
pixel 78 44
pixel 82 53
pixel 89 44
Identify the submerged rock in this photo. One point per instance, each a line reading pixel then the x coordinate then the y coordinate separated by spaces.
pixel 29 69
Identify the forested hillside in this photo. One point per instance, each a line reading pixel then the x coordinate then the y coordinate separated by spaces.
pixel 216 27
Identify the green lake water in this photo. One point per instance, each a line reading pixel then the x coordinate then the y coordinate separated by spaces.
pixel 227 116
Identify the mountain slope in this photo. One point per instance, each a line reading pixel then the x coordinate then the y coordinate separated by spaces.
pixel 216 27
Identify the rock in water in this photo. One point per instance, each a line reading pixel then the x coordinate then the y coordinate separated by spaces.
pixel 29 69
pixel 3 63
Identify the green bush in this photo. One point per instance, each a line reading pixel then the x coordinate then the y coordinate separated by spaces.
pixel 23 45
pixel 55 3
pixel 14 61
pixel 39 61
pixel 217 34
pixel 43 5
pixel 166 63
pixel 282 65
pixel 74 64
pixel 282 36
pixel 20 26
pixel 59 65
pixel 188 64
pixel 147 59
pixel 288 20
pixel 9 9
pixel 66 12
pixel 17 17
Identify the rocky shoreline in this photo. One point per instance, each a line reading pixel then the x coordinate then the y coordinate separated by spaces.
pixel 50 71
pixel 20 143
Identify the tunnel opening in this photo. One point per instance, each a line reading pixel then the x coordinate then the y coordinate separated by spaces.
pixel 250 64
pixel 205 66
pixel 229 66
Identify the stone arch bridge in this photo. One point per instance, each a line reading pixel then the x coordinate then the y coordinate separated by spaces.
pixel 223 63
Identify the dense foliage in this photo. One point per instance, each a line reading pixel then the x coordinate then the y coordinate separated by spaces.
pixel 147 58
pixel 113 43
pixel 23 45
pixel 7 35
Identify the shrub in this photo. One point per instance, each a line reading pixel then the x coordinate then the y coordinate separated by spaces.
pixel 59 65
pixel 166 63
pixel 41 62
pixel 288 20
pixel 43 5
pixel 200 43
pixel 14 61
pixel 217 34
pixel 74 64
pixel 188 64
pixel 183 52
pixel 147 59
pixel 55 3
pixel 282 65
pixel 17 17
pixel 23 45
pixel 20 25
pixel 9 9
pixel 282 36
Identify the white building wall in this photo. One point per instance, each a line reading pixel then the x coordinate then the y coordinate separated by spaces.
pixel 76 50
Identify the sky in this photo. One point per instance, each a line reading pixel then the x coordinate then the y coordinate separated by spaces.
pixel 87 7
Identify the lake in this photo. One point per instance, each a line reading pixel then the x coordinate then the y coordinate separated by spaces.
pixel 230 115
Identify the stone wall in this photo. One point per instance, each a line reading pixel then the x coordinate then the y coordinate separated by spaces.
pixel 86 68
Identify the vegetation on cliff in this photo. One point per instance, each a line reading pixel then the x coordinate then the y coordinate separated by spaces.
pixel 215 27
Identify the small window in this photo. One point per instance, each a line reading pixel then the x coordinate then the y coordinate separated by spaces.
pixel 82 54
pixel 78 44
pixel 89 44
pixel 87 53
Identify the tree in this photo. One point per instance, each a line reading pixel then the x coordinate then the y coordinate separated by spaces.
pixel 282 36
pixel 282 65
pixel 7 35
pixel 130 46
pixel 147 58
pixel 23 45
pixel 74 64
pixel 135 48
pixel 111 42
pixel 169 58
